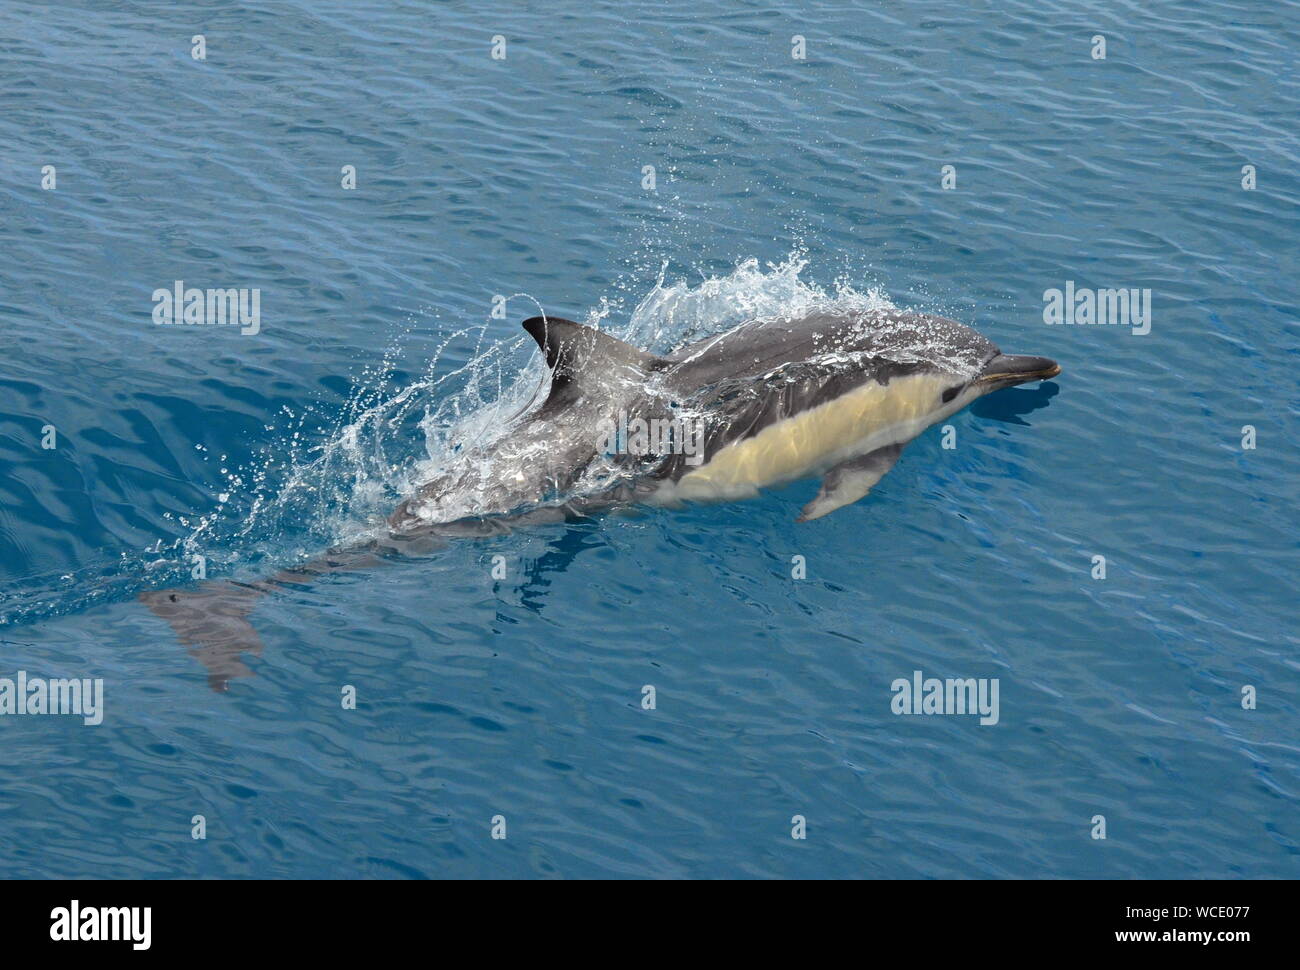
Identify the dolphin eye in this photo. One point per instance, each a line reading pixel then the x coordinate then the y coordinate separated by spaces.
pixel 951 393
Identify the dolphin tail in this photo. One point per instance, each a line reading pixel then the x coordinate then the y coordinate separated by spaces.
pixel 211 622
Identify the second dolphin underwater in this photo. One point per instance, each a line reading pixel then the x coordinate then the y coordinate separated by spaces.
pixel 835 395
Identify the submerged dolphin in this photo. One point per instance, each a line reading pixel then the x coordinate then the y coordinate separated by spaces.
pixel 835 395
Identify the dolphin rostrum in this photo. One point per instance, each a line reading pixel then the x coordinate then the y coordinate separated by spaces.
pixel 829 394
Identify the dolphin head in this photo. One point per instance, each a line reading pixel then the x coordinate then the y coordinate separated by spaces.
pixel 998 371
pixel 970 364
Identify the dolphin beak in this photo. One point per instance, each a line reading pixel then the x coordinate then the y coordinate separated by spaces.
pixel 1007 370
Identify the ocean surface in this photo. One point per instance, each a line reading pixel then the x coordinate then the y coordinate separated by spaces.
pixel 779 182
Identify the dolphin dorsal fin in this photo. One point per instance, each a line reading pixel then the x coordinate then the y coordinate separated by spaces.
pixel 573 351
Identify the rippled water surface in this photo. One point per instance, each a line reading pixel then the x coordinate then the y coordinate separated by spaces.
pixel 779 182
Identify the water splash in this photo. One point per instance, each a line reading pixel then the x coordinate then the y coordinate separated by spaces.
pixel 677 313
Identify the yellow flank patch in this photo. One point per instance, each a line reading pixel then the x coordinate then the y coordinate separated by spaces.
pixel 855 423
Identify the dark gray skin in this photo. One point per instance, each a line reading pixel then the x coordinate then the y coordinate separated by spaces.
pixel 743 381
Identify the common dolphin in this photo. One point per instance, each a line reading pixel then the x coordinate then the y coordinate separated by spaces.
pixel 834 395
pixel 830 394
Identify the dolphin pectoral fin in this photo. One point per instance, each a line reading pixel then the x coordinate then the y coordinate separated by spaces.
pixel 849 481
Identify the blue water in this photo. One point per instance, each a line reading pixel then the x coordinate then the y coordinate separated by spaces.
pixel 778 180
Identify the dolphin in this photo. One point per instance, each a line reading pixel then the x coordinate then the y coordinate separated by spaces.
pixel 832 395
pixel 829 395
